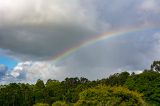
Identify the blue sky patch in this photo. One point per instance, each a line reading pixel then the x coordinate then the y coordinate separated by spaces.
pixel 9 62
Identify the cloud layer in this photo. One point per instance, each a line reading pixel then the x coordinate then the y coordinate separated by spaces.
pixel 33 31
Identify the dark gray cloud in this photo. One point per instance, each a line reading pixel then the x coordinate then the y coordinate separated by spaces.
pixel 41 41
pixel 53 26
pixel 44 28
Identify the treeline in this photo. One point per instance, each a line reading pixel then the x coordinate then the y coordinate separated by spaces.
pixel 119 89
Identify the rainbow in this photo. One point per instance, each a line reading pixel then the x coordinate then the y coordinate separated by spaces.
pixel 68 51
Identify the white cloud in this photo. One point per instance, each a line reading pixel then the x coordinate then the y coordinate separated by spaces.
pixel 128 69
pixel 43 12
pixel 31 71
pixel 21 67
pixel 149 6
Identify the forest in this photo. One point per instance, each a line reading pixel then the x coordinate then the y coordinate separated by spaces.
pixel 119 89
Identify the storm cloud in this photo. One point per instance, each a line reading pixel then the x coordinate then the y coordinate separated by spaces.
pixel 33 31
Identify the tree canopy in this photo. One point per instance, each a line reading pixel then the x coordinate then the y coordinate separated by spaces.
pixel 110 96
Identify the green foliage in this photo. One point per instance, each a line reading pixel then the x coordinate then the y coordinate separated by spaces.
pixel 16 95
pixel 116 79
pixel 70 91
pixel 38 91
pixel 41 104
pixel 53 90
pixel 39 84
pixel 109 96
pixel 147 83
pixel 59 103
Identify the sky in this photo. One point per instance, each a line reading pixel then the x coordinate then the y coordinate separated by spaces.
pixel 55 39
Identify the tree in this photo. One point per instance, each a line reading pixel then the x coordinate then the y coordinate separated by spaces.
pixel 52 91
pixel 116 79
pixel 83 80
pixel 39 84
pixel 39 91
pixel 147 83
pixel 109 96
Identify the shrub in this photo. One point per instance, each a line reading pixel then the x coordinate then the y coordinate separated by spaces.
pixel 41 104
pixel 110 96
pixel 59 103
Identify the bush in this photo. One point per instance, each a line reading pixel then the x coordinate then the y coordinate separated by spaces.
pixel 41 104
pixel 109 96
pixel 59 103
